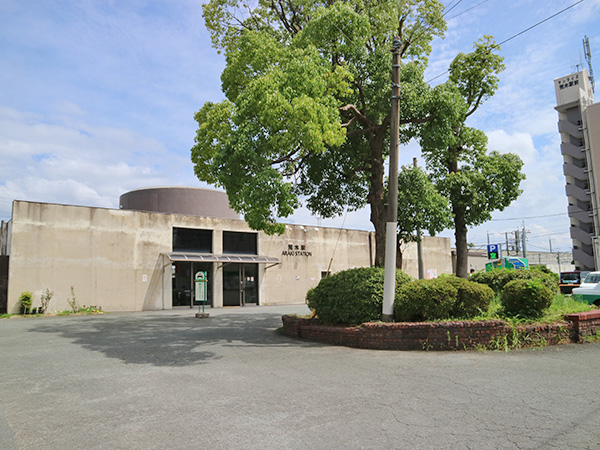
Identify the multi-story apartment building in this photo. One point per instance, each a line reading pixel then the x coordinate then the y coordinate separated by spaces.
pixel 579 127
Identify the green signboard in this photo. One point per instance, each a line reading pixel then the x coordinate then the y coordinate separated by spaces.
pixel 200 288
pixel 510 262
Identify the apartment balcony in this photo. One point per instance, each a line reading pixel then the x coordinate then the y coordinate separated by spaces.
pixel 578 193
pixel 566 148
pixel 584 217
pixel 564 126
pixel 582 236
pixel 583 260
pixel 576 172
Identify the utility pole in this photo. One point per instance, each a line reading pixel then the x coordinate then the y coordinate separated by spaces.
pixel 419 243
pixel 391 233
pixel 524 241
pixel 557 254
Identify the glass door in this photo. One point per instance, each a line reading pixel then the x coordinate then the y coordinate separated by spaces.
pixel 182 274
pixel 240 284
pixel 249 278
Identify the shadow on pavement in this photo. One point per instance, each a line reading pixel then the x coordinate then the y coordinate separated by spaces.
pixel 169 340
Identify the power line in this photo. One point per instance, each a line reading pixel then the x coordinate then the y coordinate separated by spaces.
pixel 540 22
pixel 530 217
pixel 467 10
pixel 520 32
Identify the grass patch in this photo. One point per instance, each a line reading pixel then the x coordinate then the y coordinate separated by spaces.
pixel 561 305
pixel 82 312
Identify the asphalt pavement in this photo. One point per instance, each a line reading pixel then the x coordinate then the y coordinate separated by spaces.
pixel 167 380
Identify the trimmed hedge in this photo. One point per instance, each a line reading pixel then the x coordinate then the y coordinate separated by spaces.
pixel 526 298
pixel 497 279
pixel 352 296
pixel 446 297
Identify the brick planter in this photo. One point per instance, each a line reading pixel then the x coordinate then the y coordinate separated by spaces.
pixel 584 324
pixel 457 335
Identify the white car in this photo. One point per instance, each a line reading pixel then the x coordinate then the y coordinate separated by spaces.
pixel 589 290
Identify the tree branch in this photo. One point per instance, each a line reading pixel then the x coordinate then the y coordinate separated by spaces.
pixel 361 95
pixel 285 157
pixel 476 105
pixel 359 116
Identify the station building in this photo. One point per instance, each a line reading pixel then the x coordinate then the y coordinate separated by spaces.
pixel 149 253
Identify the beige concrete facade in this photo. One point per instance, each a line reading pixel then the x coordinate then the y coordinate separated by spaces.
pixel 437 257
pixel 119 259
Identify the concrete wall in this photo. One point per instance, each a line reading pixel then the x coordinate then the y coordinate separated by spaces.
pixel 108 256
pixel 437 258
pixel 190 201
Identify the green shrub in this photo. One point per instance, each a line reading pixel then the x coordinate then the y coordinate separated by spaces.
pixel 352 296
pixel 26 299
pixel 526 298
pixel 497 279
pixel 423 300
pixel 445 297
pixel 473 298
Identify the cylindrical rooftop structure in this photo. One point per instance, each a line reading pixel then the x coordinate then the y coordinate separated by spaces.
pixel 189 201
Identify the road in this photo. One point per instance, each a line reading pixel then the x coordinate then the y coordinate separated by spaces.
pixel 166 380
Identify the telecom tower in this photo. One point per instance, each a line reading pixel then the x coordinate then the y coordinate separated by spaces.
pixel 579 127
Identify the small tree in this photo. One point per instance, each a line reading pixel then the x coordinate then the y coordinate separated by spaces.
pixel 421 207
pixel 47 295
pixel 475 182
pixel 26 299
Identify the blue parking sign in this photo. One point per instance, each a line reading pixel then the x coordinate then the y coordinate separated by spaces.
pixel 493 251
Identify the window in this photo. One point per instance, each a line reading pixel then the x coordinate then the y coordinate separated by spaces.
pixel 240 243
pixel 192 240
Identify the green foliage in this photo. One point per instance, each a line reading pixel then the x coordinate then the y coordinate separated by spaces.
pixel 564 304
pixel 352 296
pixel 307 109
pixel 498 278
pixel 422 205
pixel 446 297
pixel 526 298
pixel 26 299
pixel 553 278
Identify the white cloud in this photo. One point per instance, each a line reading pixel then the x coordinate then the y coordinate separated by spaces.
pixel 90 165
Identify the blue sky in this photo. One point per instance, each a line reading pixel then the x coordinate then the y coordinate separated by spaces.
pixel 98 98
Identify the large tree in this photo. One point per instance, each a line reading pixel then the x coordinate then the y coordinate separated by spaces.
pixel 307 110
pixel 475 182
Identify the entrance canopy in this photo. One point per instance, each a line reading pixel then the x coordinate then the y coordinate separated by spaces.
pixel 208 257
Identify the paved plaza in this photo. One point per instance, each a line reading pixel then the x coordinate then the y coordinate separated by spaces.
pixel 166 380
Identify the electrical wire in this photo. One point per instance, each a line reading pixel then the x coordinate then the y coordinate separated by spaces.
pixel 467 10
pixel 520 33
pixel 530 217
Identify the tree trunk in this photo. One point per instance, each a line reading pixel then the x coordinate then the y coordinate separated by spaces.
pixel 376 197
pixel 460 227
pixel 462 249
